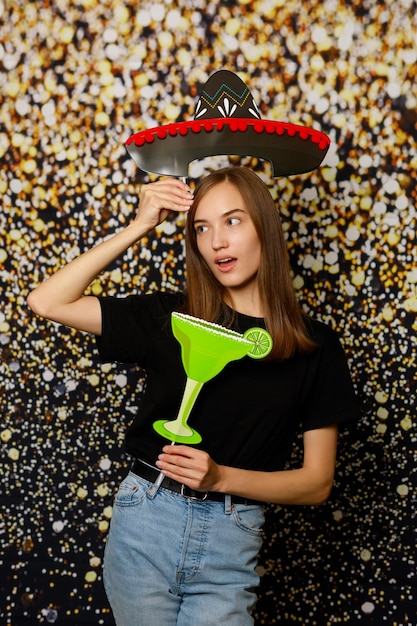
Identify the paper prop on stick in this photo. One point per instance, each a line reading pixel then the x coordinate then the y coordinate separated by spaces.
pixel 227 121
pixel 206 348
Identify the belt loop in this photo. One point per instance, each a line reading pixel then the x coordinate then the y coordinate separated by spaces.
pixel 152 490
pixel 227 504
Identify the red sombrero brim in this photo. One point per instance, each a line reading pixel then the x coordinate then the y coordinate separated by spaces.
pixel 169 149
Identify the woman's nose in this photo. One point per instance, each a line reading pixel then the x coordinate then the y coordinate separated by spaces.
pixel 218 239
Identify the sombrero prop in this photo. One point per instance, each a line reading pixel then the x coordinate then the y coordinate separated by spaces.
pixel 227 122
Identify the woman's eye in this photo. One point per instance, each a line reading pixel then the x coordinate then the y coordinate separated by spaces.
pixel 233 221
pixel 200 229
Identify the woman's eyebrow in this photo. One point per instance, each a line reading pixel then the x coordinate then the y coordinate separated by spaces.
pixel 225 214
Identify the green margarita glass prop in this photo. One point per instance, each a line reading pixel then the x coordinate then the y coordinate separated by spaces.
pixel 206 348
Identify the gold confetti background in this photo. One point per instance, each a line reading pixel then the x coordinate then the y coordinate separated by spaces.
pixel 77 78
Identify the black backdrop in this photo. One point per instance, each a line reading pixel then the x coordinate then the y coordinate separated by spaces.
pixel 77 78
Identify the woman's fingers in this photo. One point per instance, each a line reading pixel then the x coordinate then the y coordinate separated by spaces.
pixel 187 465
pixel 169 194
pixel 157 199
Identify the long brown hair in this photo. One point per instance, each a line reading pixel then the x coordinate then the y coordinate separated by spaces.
pixel 205 296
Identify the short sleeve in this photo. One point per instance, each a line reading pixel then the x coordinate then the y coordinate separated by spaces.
pixel 332 398
pixel 131 325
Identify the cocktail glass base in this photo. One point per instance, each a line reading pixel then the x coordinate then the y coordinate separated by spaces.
pixel 162 428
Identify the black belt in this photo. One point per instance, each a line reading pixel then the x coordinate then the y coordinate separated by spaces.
pixel 151 474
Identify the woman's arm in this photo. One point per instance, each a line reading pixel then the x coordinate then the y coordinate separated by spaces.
pixel 61 297
pixel 309 485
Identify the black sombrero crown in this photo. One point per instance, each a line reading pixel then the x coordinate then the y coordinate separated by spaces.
pixel 227 122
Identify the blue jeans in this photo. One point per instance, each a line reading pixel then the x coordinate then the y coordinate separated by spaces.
pixel 172 561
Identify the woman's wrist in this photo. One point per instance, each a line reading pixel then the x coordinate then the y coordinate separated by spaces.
pixel 133 233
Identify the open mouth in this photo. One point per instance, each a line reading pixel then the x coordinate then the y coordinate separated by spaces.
pixel 225 261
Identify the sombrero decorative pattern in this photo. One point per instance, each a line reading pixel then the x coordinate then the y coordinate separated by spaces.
pixel 227 122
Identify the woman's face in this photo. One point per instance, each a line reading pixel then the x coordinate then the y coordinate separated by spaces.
pixel 228 242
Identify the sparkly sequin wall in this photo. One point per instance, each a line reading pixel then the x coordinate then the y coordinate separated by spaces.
pixel 77 78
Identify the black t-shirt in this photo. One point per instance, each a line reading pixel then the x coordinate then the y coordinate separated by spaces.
pixel 250 413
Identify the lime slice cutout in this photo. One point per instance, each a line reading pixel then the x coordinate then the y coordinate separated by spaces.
pixel 261 342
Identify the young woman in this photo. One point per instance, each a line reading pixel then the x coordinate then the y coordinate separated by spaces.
pixel 184 552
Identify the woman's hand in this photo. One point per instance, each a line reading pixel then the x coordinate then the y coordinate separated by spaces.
pixel 157 199
pixel 189 466
pixel 308 485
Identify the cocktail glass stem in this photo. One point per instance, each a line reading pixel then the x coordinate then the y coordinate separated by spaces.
pixel 179 425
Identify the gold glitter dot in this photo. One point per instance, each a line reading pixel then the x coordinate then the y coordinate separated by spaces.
pixel 62 413
pixel 339 120
pixel 38 225
pixel 381 69
pixel 253 53
pixel 298 282
pixel 102 490
pixel 332 231
pixel 18 140
pixel 108 511
pixel 166 40
pixel 393 238
pixel 50 83
pixel 99 191
pixel 233 26
pixel 94 380
pixel 366 203
pixel 12 88
pixel 72 154
pixel 96 288
pixel 406 423
pixel 347 95
pixel 141 79
pixel 121 14
pixel 90 576
pixel 102 119
pixel 29 166
pixel 67 34
pixel 358 278
pixel 410 304
pixel 329 173
pixel 402 490
pixel 184 57
pixel 317 265
pixel 82 493
pixel 116 276
pixel 6 435
pixel 13 454
pixel 382 413
pixel 317 63
pixel 75 136
pixel 171 112
pixel 381 397
pixel 388 313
